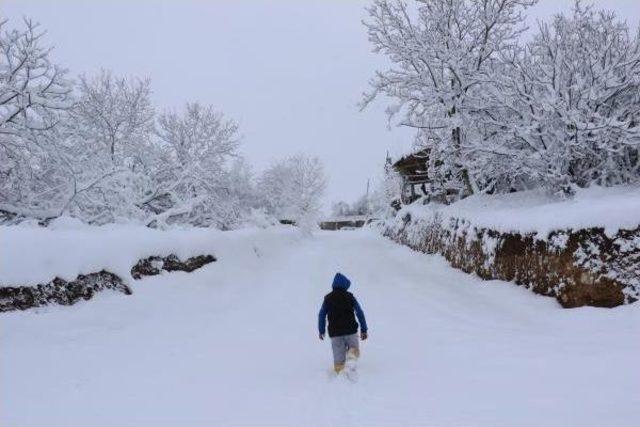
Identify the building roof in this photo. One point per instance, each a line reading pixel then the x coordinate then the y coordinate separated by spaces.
pixel 413 166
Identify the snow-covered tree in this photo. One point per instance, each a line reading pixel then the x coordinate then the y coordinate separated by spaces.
pixel 32 88
pixel 293 188
pixel 571 104
pixel 115 114
pixel 388 193
pixel 95 152
pixel 341 208
pixel 34 93
pixel 241 184
pixel 444 54
pixel 107 138
pixel 360 207
pixel 197 183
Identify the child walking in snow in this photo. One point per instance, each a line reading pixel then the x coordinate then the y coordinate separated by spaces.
pixel 339 306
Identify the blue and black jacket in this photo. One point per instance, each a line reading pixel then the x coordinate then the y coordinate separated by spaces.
pixel 339 306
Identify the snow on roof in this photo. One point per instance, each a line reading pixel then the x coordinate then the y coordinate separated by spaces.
pixel 346 218
pixel 535 211
pixel 402 147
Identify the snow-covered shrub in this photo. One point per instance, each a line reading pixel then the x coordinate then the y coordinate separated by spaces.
pixel 259 218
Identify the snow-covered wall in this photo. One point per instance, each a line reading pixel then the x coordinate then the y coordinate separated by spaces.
pixel 69 261
pixel 585 251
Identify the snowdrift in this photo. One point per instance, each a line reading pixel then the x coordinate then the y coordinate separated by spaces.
pixel 69 262
pixel 583 251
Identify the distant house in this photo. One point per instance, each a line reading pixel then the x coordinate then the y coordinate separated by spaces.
pixel 348 222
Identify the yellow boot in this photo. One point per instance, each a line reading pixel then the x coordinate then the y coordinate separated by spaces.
pixel 338 367
pixel 353 353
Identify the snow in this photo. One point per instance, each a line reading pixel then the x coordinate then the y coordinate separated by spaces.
pixel 235 343
pixel 536 212
pixel 69 248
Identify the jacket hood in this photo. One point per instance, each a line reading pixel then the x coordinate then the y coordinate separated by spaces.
pixel 340 281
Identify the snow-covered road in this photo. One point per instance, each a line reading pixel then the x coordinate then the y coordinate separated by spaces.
pixel 235 344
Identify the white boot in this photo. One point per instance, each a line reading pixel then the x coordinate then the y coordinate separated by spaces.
pixel 351 364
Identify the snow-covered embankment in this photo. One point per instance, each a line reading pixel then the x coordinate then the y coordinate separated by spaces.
pixel 69 262
pixel 584 251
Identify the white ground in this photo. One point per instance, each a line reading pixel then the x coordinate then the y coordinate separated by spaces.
pixel 235 343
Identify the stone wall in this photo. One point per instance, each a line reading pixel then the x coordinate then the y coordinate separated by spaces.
pixel 154 265
pixel 60 291
pixel 85 286
pixel 577 267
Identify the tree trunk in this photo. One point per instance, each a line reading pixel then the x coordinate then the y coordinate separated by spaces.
pixel 466 179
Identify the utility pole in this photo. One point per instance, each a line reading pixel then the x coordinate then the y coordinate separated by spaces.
pixel 368 205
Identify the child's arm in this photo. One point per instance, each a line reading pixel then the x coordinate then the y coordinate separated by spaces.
pixel 360 315
pixel 322 320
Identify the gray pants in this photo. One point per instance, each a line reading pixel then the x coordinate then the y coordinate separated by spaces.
pixel 340 346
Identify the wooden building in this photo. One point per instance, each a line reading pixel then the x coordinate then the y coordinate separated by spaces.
pixel 412 169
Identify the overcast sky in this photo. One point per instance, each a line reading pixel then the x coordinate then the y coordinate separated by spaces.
pixel 291 72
